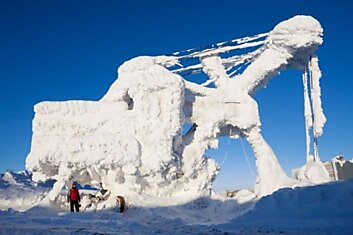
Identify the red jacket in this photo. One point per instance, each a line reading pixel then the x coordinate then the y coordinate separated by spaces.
pixel 74 195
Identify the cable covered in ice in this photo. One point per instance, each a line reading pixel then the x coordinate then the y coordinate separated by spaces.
pixel 307 113
pixel 319 116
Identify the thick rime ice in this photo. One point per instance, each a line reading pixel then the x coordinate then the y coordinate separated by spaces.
pixel 313 113
pixel 316 97
pixel 131 140
pixel 314 172
pixel 307 113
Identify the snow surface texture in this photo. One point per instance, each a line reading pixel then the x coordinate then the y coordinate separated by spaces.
pixel 18 192
pixel 131 140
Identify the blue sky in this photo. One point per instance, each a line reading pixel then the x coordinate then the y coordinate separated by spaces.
pixel 62 50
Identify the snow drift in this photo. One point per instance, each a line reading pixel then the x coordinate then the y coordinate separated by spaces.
pixel 131 140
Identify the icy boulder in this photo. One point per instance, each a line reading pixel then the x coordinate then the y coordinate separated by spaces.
pixel 131 140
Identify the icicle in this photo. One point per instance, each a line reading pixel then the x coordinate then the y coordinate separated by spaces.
pixel 319 116
pixel 307 114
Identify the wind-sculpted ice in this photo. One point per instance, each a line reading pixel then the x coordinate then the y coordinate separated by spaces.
pixel 131 140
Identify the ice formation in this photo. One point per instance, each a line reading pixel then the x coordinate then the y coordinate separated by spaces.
pixel 131 140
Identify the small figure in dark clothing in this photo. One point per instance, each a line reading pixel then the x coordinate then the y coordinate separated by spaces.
pixel 121 202
pixel 74 198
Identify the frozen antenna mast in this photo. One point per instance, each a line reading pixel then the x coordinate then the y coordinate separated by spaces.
pixel 131 140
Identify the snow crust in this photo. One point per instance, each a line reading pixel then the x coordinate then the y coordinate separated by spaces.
pixel 131 140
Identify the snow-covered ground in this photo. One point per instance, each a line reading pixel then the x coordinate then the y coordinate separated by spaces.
pixel 320 209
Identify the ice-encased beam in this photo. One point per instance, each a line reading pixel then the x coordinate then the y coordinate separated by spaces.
pixel 307 114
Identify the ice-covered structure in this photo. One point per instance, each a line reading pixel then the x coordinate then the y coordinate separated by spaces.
pixel 131 140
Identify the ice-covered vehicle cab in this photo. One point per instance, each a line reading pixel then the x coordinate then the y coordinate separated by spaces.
pixel 131 140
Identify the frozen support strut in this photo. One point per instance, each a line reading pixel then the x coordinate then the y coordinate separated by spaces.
pixel 270 174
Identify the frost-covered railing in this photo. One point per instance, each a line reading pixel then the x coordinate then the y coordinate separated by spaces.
pixel 131 140
pixel 218 49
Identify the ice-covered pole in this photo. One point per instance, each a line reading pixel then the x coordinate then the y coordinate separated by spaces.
pixel 319 118
pixel 307 113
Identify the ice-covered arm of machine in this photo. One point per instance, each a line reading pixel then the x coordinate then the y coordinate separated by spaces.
pixel 289 44
pixel 292 44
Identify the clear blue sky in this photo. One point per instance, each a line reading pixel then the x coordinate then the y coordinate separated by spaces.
pixel 62 50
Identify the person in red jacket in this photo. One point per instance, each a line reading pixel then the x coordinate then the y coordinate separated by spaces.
pixel 74 198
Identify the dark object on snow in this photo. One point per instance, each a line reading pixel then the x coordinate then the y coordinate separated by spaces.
pixel 74 198
pixel 232 193
pixel 121 202
pixel 103 191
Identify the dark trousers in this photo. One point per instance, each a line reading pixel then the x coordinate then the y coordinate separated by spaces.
pixel 72 204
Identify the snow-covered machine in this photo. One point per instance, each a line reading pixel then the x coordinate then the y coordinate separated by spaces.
pixel 131 140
